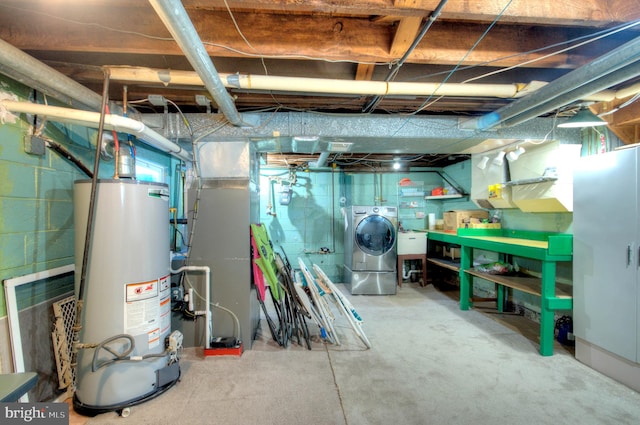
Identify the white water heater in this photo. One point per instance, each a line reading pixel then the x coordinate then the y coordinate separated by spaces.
pixel 126 356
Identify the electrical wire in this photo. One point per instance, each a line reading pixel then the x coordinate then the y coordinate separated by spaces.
pixel 370 107
pixel 484 34
pixel 591 40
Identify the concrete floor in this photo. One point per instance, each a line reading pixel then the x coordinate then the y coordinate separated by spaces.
pixel 430 363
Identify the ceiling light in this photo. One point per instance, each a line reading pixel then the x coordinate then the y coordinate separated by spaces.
pixel 340 146
pixel 499 159
pixel 514 155
pixel 483 163
pixel 306 138
pixel 397 164
pixel 583 118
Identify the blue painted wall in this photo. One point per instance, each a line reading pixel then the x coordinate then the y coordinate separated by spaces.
pixel 313 220
pixel 36 194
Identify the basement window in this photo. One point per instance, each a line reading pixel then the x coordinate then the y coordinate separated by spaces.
pixel 149 171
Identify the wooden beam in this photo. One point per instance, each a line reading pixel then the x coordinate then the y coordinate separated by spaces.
pixel 595 13
pixel 629 115
pixel 100 29
pixel 364 71
pixel 405 34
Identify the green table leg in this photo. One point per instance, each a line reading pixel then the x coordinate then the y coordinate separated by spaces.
pixel 466 288
pixel 500 295
pixel 547 319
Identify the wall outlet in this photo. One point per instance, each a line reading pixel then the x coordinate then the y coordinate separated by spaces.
pixel 177 294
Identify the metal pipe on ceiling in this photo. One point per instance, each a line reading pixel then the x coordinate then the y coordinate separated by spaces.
pixel 606 64
pixel 27 70
pixel 175 18
pixel 579 93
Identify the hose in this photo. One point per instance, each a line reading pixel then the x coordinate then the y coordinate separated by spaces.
pixel 119 357
pixel 102 346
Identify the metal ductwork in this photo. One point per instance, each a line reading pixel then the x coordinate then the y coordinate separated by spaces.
pixel 321 162
pixel 567 88
pixel 579 93
pixel 175 18
pixel 29 71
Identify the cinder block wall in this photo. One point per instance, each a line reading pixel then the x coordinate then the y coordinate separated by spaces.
pixel 36 203
pixel 36 207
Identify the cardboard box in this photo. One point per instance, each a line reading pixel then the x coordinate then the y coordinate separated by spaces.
pixel 458 218
pixel 485 226
pixel 450 252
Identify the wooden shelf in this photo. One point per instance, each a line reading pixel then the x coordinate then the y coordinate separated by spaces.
pixel 447 264
pixel 529 284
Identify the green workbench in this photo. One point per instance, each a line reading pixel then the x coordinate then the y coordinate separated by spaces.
pixel 549 248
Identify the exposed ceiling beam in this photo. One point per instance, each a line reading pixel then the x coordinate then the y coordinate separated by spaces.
pixel 596 13
pixel 407 30
pixel 97 28
pixel 364 72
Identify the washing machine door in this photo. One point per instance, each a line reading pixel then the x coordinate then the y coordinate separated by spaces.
pixel 375 238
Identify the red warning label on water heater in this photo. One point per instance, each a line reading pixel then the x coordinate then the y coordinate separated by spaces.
pixel 142 310
pixel 142 291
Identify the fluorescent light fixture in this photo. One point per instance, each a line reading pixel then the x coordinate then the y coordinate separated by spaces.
pixel 583 118
pixel 483 162
pixel 514 155
pixel 340 146
pixel 499 159
pixel 306 138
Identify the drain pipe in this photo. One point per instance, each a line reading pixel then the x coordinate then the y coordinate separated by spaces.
pixel 207 297
pixel 606 64
pixel 175 18
pixel 29 71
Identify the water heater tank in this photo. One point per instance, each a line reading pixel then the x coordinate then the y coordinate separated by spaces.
pixel 127 295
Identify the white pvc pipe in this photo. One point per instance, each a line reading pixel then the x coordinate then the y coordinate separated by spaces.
pixel 316 85
pixel 207 296
pixel 363 87
pixel 92 119
pixel 336 86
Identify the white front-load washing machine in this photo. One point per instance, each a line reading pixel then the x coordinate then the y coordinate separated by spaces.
pixel 370 249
